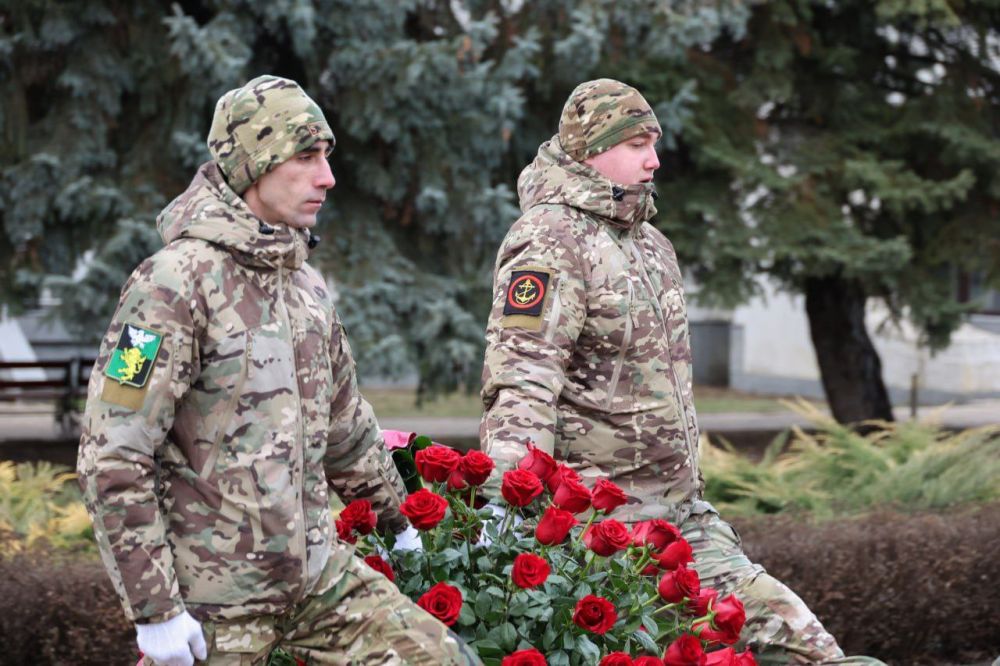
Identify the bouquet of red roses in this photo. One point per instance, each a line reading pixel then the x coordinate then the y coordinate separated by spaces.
pixel 527 583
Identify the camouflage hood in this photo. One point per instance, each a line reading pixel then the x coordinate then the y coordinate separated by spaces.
pixel 210 210
pixel 556 178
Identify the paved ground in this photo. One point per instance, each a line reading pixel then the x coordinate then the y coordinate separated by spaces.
pixel 26 428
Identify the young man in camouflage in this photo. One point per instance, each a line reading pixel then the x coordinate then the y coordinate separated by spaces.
pixel 588 356
pixel 223 405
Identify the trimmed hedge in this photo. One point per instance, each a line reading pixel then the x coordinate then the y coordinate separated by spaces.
pixel 906 588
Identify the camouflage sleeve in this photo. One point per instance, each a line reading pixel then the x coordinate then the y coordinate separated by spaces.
pixel 144 366
pixel 528 349
pixel 357 463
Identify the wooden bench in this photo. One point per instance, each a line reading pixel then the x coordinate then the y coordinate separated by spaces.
pixel 63 388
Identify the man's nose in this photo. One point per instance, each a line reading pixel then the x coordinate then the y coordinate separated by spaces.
pixel 324 178
pixel 652 160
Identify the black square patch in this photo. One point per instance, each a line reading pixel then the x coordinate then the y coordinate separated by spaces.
pixel 526 293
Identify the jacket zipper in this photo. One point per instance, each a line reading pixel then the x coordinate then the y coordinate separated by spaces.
pixel 626 341
pixel 300 537
pixel 663 324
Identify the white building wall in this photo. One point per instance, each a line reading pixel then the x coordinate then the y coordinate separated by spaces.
pixel 772 353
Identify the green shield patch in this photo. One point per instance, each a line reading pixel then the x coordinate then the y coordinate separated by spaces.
pixel 134 355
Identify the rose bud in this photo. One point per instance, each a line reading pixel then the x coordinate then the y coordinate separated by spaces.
pixel 572 496
pixel 607 537
pixel 436 463
pixel 595 614
pixel 679 584
pixel 538 462
pixel 476 467
pixel 520 487
pixel 554 526
pixel 656 533
pixel 443 601
pixel 675 555
pixel 699 605
pixel 685 651
pixel 728 622
pixel 562 472
pixel 381 566
pixel 616 659
pixel 345 532
pixel 530 657
pixel 607 496
pixel 456 481
pixel 359 515
pixel 424 509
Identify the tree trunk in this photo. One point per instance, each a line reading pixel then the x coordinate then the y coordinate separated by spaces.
pixel 848 363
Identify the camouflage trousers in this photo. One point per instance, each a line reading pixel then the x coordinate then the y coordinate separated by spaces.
pixel 362 619
pixel 780 628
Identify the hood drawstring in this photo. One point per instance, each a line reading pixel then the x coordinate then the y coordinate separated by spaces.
pixel 313 241
pixel 265 228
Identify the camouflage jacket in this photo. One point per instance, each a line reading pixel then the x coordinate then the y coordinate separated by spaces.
pixel 598 370
pixel 205 467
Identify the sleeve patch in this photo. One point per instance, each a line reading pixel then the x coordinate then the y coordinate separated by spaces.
pixel 526 293
pixel 133 357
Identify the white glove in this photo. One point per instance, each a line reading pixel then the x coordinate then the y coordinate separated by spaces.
pixel 175 642
pixel 409 539
pixel 499 513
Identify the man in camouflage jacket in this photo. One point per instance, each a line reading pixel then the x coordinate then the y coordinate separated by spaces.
pixel 224 403
pixel 588 354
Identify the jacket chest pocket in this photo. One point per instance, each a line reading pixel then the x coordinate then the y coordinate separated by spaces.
pixel 225 368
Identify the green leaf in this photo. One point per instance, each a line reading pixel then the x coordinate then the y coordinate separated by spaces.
pixel 647 641
pixel 557 658
pixel 585 647
pixel 466 616
pixel 505 635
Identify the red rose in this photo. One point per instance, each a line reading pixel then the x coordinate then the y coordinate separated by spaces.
pixel 685 651
pixel 595 614
pixel 520 486
pixel 530 657
pixel 436 463
pixel 572 496
pixel 647 661
pixel 529 570
pixel 443 602
pixel 728 622
pixel 699 605
pixel 678 584
pixel 562 472
pixel 554 526
pixel 476 467
pixel 345 531
pixel 676 554
pixel 616 659
pixel 359 515
pixel 656 533
pixel 381 566
pixel 607 496
pixel 424 509
pixel 729 657
pixel 538 462
pixel 607 537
